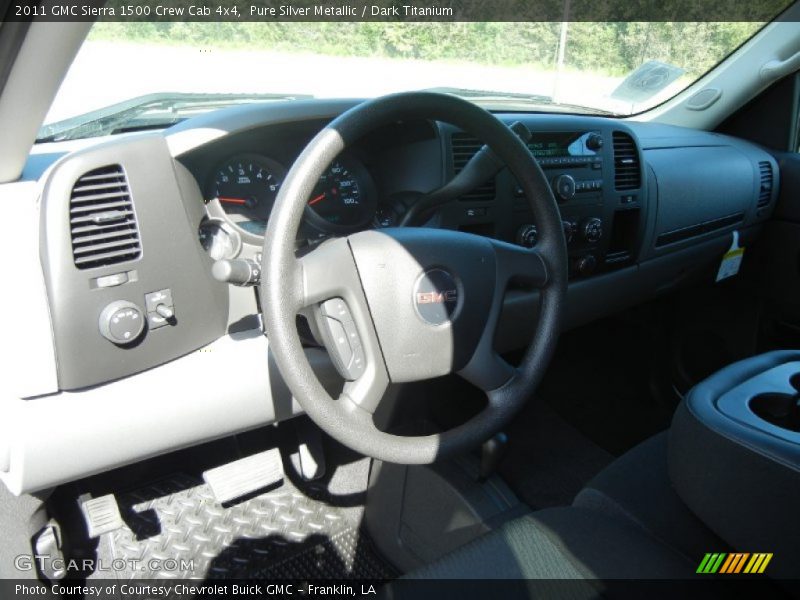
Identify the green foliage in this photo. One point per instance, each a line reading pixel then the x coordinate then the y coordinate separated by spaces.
pixel 613 48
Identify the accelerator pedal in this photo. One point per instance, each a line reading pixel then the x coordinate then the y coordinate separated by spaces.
pixel 309 458
pixel 245 476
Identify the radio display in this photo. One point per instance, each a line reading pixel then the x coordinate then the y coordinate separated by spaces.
pixel 552 144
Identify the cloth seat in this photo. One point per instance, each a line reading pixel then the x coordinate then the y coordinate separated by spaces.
pixel 562 543
pixel 636 487
pixel 627 523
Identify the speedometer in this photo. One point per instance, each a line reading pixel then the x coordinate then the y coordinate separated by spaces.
pixel 343 199
pixel 246 186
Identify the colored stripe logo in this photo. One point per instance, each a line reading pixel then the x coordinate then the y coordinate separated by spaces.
pixel 734 563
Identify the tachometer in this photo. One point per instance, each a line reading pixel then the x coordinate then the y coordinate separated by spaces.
pixel 246 186
pixel 343 199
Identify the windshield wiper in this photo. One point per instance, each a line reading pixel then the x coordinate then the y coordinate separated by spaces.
pixel 152 111
pixel 511 100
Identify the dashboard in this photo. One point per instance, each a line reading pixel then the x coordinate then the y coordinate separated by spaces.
pixel 133 226
pixel 627 192
pixel 130 228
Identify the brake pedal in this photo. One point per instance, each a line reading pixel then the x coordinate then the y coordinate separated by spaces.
pixel 245 476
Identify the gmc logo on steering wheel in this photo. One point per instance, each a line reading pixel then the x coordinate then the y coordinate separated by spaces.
pixel 437 297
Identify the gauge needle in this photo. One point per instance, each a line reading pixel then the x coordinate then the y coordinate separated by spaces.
pixel 241 201
pixel 316 199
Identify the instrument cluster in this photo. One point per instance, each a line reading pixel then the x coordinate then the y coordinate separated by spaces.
pixel 241 191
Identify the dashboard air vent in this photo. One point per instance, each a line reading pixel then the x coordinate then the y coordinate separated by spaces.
pixel 765 190
pixel 102 220
pixel 464 147
pixel 627 173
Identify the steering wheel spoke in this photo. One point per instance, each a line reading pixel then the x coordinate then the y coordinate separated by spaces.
pixel 488 370
pixel 524 265
pixel 326 272
pixel 331 294
pixel 367 391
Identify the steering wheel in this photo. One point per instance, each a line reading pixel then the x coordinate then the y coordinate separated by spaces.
pixel 409 304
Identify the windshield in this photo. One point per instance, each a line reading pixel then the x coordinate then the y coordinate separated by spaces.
pixel 583 67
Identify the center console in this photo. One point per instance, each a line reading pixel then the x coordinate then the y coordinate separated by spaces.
pixel 734 456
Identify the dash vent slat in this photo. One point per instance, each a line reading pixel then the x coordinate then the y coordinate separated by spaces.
pixel 463 147
pixel 765 188
pixel 102 219
pixel 627 170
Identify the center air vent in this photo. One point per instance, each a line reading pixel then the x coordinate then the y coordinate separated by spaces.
pixel 464 147
pixel 765 190
pixel 627 173
pixel 102 220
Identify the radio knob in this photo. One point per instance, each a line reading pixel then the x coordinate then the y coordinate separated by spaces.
pixel 121 322
pixel 527 236
pixel 564 186
pixel 592 230
pixel 594 141
pixel 569 230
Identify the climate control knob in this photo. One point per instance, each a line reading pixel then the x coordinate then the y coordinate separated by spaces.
pixel 564 186
pixel 121 322
pixel 585 264
pixel 569 230
pixel 592 230
pixel 527 236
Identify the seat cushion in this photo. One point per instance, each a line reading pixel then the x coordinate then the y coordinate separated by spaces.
pixel 561 543
pixel 636 488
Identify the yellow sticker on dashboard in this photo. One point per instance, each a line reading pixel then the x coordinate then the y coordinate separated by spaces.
pixel 731 260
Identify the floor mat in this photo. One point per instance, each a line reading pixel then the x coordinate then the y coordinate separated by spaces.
pixel 601 381
pixel 175 528
pixel 548 461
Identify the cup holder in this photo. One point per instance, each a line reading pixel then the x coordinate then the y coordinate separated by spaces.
pixel 781 410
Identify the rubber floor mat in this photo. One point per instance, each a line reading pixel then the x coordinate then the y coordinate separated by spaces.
pixel 176 529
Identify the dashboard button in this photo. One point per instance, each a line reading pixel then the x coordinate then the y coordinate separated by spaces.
pixel 153 299
pixel 165 311
pixel 564 186
pixel 479 211
pixel 121 322
pixel 155 320
pixel 341 339
pixel 359 363
pixel 592 230
pixel 527 236
pixel 112 280
pixel 340 342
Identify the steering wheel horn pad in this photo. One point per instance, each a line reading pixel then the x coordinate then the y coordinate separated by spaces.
pixel 395 267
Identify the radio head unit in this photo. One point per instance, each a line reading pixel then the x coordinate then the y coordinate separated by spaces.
pixel 567 149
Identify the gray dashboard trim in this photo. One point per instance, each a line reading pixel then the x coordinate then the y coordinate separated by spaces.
pixel 171 258
pixel 27 331
pixel 225 388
